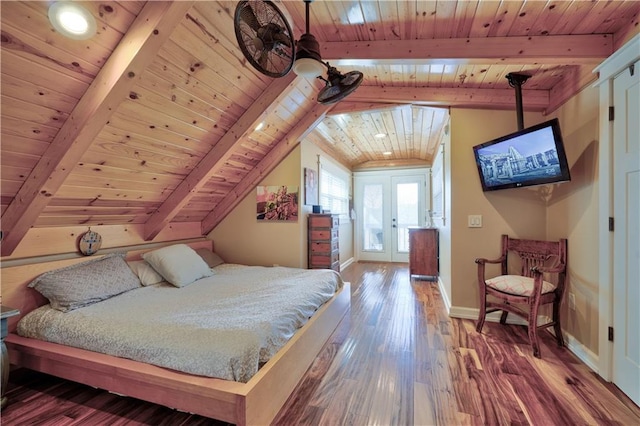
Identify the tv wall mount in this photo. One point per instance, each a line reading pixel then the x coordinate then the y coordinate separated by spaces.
pixel 516 80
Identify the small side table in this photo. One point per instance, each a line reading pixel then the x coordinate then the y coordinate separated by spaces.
pixel 5 313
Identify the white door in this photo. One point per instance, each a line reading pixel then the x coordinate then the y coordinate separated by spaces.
pixel 387 204
pixel 626 240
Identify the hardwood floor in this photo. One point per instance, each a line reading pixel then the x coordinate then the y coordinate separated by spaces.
pixel 397 359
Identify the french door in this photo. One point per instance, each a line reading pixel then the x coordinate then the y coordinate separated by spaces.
pixel 387 204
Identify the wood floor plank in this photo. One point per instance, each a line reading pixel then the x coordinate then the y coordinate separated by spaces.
pixel 396 359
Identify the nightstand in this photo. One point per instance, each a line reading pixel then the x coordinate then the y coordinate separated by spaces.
pixel 5 313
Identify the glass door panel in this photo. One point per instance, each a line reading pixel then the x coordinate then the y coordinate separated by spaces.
pixel 408 210
pixel 372 218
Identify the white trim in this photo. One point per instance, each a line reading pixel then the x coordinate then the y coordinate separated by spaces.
pixel 582 352
pixel 348 262
pixel 472 314
pixel 445 297
pixel 605 210
pixel 616 63
pixel 619 60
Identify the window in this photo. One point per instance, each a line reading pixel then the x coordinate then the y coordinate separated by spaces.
pixel 334 193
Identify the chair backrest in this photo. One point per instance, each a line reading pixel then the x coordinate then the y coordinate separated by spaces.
pixel 536 253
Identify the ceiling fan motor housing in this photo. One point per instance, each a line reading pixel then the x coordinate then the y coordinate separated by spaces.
pixel 308 47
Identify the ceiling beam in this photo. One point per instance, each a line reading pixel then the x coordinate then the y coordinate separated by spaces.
pixel 134 53
pixel 561 50
pixel 533 100
pixel 266 165
pixel 218 155
pixel 384 164
pixel 346 107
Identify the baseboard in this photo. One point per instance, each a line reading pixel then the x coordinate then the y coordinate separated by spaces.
pixel 583 353
pixel 445 297
pixel 348 262
pixel 472 314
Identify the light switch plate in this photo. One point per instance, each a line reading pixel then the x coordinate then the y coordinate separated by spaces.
pixel 475 221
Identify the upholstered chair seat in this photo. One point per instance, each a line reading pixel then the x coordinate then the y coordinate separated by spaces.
pixel 516 284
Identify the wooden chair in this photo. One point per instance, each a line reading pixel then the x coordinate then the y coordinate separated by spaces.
pixel 529 288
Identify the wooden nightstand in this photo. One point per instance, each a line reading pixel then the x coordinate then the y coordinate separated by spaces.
pixel 5 313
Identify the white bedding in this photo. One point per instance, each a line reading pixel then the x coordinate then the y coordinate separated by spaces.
pixel 223 326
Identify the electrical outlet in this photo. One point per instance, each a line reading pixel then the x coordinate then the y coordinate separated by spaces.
pixel 474 221
pixel 572 301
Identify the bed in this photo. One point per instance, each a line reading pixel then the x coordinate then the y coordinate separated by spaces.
pixel 254 398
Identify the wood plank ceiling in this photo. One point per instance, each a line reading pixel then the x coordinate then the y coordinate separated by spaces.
pixel 153 119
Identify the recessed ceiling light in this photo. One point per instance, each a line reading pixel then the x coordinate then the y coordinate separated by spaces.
pixel 387 153
pixel 259 126
pixel 72 20
pixel 380 135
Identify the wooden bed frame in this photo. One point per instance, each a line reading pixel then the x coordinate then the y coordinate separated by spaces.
pixel 255 402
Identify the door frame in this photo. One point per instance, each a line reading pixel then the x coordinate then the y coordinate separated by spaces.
pixel 386 174
pixel 612 66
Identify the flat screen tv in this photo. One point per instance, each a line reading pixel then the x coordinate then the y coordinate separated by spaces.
pixel 532 156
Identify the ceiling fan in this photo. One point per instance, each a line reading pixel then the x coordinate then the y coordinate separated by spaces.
pixel 264 36
pixel 266 40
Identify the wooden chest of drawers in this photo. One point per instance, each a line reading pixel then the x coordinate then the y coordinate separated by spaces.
pixel 423 252
pixel 324 251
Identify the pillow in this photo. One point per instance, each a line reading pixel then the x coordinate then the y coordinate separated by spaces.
pixel 144 271
pixel 179 264
pixel 212 259
pixel 89 282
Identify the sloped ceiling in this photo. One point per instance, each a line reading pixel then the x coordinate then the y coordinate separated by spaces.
pixel 152 120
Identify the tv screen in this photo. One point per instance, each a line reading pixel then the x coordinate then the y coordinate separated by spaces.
pixel 533 156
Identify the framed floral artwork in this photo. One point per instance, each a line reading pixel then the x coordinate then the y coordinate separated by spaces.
pixel 277 203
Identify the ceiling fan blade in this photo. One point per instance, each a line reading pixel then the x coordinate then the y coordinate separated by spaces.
pixel 329 94
pixel 250 18
pixel 352 78
pixel 339 85
pixel 282 38
pixel 263 59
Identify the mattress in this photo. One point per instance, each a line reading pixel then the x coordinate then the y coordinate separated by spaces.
pixel 224 326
